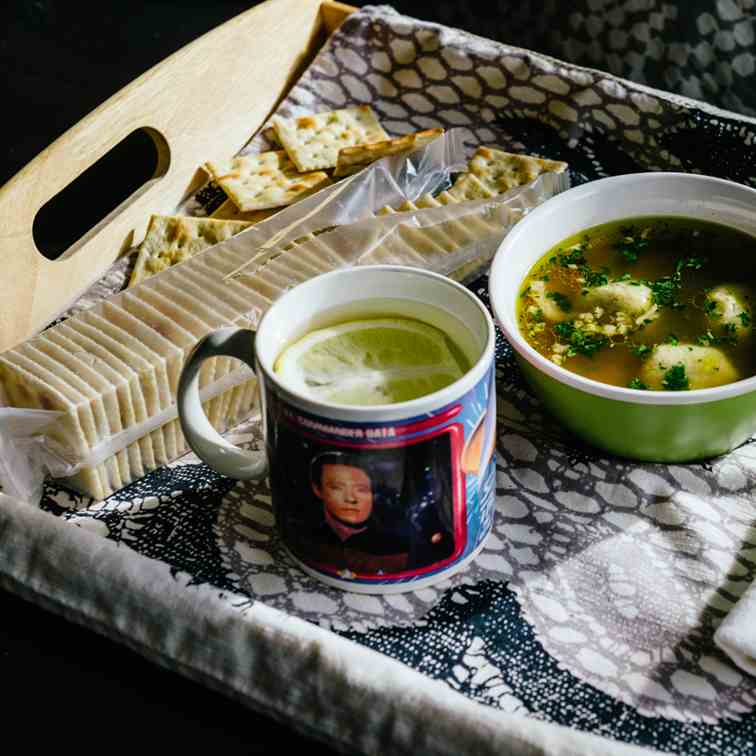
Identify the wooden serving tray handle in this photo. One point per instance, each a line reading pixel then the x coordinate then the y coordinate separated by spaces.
pixel 202 103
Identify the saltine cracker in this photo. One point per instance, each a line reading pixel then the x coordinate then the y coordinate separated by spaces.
pixel 229 211
pixel 171 239
pixel 313 141
pixel 352 159
pixel 266 180
pixel 500 171
pixel 469 187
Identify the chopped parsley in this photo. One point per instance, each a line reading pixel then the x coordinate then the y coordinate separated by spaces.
pixel 709 339
pixel 579 341
pixel 565 330
pixel 676 379
pixel 693 263
pixel 641 350
pixel 710 308
pixel 637 383
pixel 561 301
pixel 575 257
pixel 631 246
pixel 672 339
pixel 745 319
pixel 595 277
pixel 664 291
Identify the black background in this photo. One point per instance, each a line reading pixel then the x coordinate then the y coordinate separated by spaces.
pixel 60 59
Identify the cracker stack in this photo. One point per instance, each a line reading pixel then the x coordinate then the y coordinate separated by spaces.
pixel 112 371
pixel 255 186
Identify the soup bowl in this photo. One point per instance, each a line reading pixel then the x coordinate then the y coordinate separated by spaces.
pixel 656 426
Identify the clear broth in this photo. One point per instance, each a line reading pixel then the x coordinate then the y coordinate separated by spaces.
pixel 680 259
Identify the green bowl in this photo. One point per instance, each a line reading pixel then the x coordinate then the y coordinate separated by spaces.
pixel 656 426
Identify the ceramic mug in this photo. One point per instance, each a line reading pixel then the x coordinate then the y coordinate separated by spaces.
pixel 372 499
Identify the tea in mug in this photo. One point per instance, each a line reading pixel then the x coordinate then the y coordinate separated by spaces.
pixel 387 352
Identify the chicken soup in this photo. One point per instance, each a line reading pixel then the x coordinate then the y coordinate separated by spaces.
pixel 654 303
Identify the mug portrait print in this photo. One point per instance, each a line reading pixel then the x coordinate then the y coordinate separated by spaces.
pixel 371 512
pixel 351 534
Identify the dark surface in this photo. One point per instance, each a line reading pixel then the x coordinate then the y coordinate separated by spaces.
pixel 67 688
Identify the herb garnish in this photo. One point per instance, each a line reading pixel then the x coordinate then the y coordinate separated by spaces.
pixel 631 246
pixel 709 339
pixel 672 339
pixel 637 383
pixel 594 278
pixel 561 301
pixel 745 319
pixel 664 291
pixel 641 350
pixel 694 263
pixel 579 341
pixel 575 257
pixel 676 379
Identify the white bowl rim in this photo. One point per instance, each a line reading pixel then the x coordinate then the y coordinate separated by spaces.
pixel 588 385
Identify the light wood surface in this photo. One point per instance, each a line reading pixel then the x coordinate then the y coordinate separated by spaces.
pixel 334 13
pixel 202 103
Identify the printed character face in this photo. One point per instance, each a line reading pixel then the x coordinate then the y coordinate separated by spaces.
pixel 347 493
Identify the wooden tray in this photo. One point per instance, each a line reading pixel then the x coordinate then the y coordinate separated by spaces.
pixel 202 103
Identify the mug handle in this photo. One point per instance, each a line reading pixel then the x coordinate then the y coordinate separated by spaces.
pixel 221 455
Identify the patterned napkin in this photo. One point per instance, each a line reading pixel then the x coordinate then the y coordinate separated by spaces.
pixel 595 601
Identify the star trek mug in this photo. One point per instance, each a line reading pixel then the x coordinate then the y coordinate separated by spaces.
pixel 372 499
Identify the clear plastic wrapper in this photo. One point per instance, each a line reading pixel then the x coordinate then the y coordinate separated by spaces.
pixel 456 239
pixel 389 181
pixel 119 398
pixel 26 453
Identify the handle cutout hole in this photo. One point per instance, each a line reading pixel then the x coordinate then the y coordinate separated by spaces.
pixel 117 178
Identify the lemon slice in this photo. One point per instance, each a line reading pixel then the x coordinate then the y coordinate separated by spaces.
pixel 368 362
